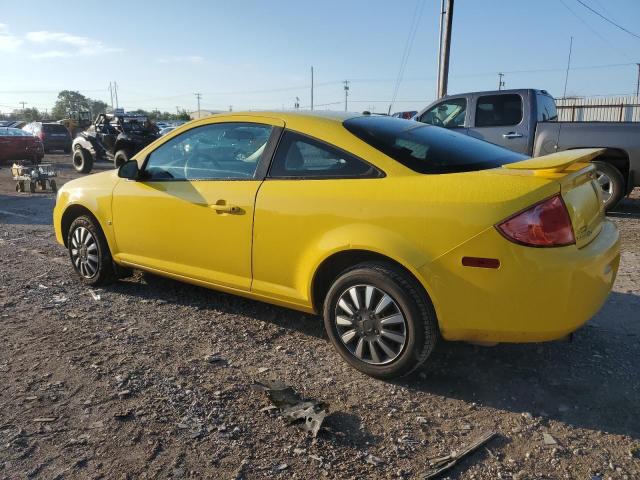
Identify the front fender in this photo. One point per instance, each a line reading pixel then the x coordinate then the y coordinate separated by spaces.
pixel 92 196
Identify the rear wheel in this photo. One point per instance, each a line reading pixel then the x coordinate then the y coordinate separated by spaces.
pixel 380 320
pixel 82 160
pixel 89 252
pixel 611 183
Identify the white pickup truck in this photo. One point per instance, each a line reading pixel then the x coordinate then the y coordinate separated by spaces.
pixel 526 121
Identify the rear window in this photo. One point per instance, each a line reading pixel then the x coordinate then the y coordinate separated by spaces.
pixel 13 132
pixel 546 108
pixel 428 149
pixel 54 128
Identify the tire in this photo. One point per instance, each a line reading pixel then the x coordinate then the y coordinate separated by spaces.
pixel 120 157
pixel 20 186
pixel 53 185
pixel 32 186
pixel 611 181
pixel 410 314
pixel 85 240
pixel 82 160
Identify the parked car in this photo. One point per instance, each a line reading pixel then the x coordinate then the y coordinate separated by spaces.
pixel 54 136
pixel 113 138
pixel 16 144
pixel 526 121
pixel 166 130
pixel 396 232
pixel 406 115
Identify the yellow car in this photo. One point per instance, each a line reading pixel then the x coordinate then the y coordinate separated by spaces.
pixel 397 232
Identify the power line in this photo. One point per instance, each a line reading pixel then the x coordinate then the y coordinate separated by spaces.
pixel 595 32
pixel 415 21
pixel 607 19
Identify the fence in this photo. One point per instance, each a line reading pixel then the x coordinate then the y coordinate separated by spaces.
pixel 605 109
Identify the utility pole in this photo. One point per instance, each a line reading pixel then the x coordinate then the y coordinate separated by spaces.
pixel 312 86
pixel 446 22
pixel 23 104
pixel 297 104
pixel 500 81
pixel 566 78
pixel 638 83
pixel 231 108
pixel 346 94
pixel 198 96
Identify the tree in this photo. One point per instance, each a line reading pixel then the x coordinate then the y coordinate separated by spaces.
pixel 70 102
pixel 31 115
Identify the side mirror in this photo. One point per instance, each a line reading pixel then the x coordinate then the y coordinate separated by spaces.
pixel 129 170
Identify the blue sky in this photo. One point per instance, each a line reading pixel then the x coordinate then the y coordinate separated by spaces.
pixel 257 54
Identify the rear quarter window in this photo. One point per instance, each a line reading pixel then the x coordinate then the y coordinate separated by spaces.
pixel 428 149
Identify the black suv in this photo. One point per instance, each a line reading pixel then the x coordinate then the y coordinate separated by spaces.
pixel 113 138
pixel 54 136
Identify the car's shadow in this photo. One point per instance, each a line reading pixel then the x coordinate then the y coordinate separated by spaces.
pixel 592 382
pixel 627 208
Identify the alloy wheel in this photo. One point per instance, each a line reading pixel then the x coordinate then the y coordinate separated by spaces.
pixel 370 324
pixel 606 185
pixel 84 252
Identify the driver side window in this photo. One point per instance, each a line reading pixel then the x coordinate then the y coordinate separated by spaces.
pixel 447 114
pixel 219 151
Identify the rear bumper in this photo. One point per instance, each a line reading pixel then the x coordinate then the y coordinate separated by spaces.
pixel 536 294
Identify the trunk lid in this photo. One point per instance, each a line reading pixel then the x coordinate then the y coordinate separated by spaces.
pixel 578 186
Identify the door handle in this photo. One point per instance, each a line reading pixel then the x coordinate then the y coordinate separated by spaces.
pixel 225 208
pixel 511 135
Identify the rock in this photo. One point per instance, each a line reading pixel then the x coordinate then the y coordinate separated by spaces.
pixel 373 460
pixel 282 467
pixel 263 369
pixel 422 420
pixel 124 393
pixel 548 439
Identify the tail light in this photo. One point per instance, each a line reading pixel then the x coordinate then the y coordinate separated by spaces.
pixel 545 224
pixel 41 135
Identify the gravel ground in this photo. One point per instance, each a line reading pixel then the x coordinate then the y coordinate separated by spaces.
pixel 150 378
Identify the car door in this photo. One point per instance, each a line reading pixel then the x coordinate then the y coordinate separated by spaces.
pixel 450 113
pixel 191 214
pixel 500 119
pixel 303 198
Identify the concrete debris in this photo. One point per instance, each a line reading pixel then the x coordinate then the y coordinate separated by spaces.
pixel 548 439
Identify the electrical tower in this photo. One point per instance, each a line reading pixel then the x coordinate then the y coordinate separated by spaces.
pixel 346 94
pixel 198 96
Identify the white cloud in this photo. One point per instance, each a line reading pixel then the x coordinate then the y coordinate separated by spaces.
pixel 182 59
pixel 8 42
pixel 75 45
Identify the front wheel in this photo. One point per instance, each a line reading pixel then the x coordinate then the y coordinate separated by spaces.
pixel 89 252
pixel 380 320
pixel 611 183
pixel 121 157
pixel 82 160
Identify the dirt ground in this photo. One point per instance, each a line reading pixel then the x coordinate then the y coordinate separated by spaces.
pixel 151 378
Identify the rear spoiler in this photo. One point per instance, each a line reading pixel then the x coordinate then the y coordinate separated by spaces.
pixel 556 162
